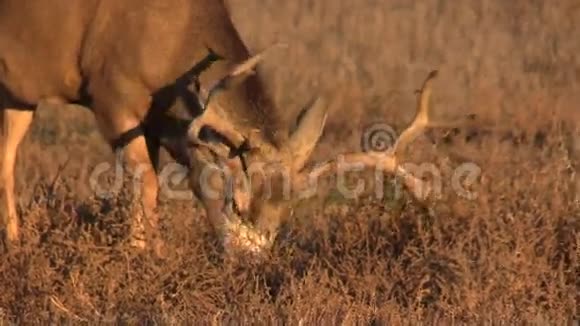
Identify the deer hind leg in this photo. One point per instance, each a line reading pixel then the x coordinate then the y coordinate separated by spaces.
pixel 14 123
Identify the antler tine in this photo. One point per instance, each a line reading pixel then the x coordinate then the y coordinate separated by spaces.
pixel 421 120
pixel 243 69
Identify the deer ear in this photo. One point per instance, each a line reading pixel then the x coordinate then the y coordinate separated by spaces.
pixel 307 132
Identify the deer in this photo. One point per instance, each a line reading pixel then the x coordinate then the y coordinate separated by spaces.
pixel 129 62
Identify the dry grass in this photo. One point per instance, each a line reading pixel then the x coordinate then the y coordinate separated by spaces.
pixel 509 256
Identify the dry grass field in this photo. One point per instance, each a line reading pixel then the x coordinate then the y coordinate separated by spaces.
pixel 507 255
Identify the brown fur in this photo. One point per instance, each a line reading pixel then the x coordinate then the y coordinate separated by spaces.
pixel 114 57
pixel 119 59
pixel 158 43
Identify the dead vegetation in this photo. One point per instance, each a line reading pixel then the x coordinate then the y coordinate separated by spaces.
pixel 509 255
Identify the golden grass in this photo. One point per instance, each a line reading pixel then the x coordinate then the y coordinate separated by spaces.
pixel 508 256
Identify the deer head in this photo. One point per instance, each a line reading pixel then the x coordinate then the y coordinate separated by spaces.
pixel 247 184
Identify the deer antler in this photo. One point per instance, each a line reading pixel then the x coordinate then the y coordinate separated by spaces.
pixel 241 71
pixel 421 120
pixel 388 161
pixel 215 118
pixel 237 74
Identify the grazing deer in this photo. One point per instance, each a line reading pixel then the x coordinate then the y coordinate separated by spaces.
pixel 131 61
